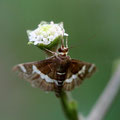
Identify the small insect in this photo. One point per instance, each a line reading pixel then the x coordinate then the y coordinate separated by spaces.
pixel 56 73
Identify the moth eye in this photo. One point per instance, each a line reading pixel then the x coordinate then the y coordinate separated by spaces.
pixel 59 50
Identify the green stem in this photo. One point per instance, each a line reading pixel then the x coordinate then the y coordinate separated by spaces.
pixel 69 106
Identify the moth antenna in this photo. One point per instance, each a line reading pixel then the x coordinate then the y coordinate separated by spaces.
pixel 62 43
pixel 66 42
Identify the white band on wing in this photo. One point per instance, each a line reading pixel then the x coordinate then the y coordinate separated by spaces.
pixel 43 76
pixel 75 76
pixel 22 68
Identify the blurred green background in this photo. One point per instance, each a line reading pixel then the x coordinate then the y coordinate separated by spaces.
pixel 82 19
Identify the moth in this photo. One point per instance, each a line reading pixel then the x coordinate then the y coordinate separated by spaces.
pixel 56 73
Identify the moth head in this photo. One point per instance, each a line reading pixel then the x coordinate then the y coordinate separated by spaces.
pixel 63 51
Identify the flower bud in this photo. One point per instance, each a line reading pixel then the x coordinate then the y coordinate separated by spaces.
pixel 47 35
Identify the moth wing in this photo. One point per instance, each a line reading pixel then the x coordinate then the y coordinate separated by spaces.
pixel 77 72
pixel 39 74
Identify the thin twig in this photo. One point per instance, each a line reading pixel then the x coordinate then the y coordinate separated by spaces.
pixel 105 100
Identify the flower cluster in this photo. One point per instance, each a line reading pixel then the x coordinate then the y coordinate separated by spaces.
pixel 46 33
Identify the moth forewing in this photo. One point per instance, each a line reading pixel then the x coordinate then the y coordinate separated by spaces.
pixel 78 71
pixel 35 73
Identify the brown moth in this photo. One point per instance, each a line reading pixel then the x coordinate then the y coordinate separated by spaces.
pixel 56 73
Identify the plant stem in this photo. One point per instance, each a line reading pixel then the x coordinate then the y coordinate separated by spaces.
pixel 69 106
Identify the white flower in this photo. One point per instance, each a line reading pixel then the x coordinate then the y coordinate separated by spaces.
pixel 46 33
